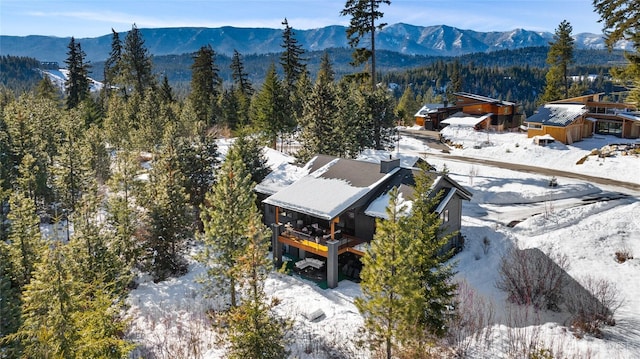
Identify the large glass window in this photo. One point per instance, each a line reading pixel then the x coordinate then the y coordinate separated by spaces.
pixel 609 128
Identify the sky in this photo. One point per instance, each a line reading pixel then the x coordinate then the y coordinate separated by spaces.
pixel 92 18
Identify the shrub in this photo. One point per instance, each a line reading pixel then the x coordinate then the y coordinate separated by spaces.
pixel 592 304
pixel 623 255
pixel 532 278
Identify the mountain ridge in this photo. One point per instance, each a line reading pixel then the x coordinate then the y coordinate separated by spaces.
pixel 436 40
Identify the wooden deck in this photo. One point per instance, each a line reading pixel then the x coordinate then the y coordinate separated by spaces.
pixel 319 247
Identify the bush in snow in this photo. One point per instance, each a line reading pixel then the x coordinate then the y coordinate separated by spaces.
pixel 592 304
pixel 532 278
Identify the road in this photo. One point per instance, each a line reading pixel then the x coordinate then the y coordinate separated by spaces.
pixel 511 214
pixel 431 139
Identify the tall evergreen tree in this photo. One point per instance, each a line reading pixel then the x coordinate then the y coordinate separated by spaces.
pixel 9 303
pixel 240 76
pixel 77 82
pixel 621 21
pixel 206 85
pixel 378 107
pixel 407 107
pixel 254 331
pixel 255 162
pixel 291 60
pixel 122 212
pixel 46 89
pixel 559 57
pixel 269 111
pixel 319 120
pixel 136 66
pixel 169 214
pixel 24 237
pixel 166 92
pixel 428 259
pixel 198 163
pixel 364 14
pixel 391 288
pixel 48 330
pixel 229 207
pixel 112 66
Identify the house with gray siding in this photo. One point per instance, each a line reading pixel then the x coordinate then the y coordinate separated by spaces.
pixel 325 214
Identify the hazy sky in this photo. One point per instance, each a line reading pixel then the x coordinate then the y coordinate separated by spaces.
pixel 91 18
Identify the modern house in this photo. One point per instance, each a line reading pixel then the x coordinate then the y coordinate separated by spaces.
pixel 504 115
pixel 565 122
pixel 611 118
pixel 575 118
pixel 327 214
pixel 501 115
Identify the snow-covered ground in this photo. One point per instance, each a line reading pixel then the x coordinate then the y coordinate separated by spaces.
pixel 586 222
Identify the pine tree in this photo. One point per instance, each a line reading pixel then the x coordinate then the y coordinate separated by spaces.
pixel 206 85
pixel 269 111
pixel 559 57
pixel 136 66
pixel 364 14
pixel 240 76
pixel 112 66
pixel 166 92
pixel 319 120
pixel 45 89
pixel 9 303
pixel 24 237
pixel 407 107
pixel 229 206
pixel 170 222
pixel 47 330
pixel 252 154
pixel 254 331
pixel 429 259
pixel 379 122
pixel 391 288
pixel 198 163
pixel 291 60
pixel 621 21
pixel 77 82
pixel 122 213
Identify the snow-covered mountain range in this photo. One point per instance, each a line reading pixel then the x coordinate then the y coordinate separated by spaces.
pixel 440 40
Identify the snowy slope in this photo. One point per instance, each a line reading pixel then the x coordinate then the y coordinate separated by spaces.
pixel 586 222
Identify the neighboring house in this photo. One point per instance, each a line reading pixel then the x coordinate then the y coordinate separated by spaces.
pixel 501 115
pixel 504 115
pixel 611 118
pixel 431 115
pixel 327 215
pixel 565 122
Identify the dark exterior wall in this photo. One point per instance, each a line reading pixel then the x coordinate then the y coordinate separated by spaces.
pixel 365 226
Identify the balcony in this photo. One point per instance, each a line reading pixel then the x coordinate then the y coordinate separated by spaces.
pixel 316 241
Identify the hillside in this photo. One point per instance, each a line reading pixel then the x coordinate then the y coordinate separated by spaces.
pixel 406 39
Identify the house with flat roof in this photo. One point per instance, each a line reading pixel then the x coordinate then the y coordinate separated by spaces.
pixel 327 215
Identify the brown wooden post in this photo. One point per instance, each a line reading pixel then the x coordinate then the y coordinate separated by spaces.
pixel 333 227
pixel 277 214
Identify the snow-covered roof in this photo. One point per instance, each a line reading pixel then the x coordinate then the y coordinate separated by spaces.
pixel 376 156
pixel 465 121
pixel 331 189
pixel 546 136
pixel 483 98
pixel 378 208
pixel 553 114
pixel 428 108
pixel 633 116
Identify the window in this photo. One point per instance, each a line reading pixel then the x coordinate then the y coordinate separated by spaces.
pixel 444 216
pixel 535 126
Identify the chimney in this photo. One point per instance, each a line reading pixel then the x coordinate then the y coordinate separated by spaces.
pixel 387 165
